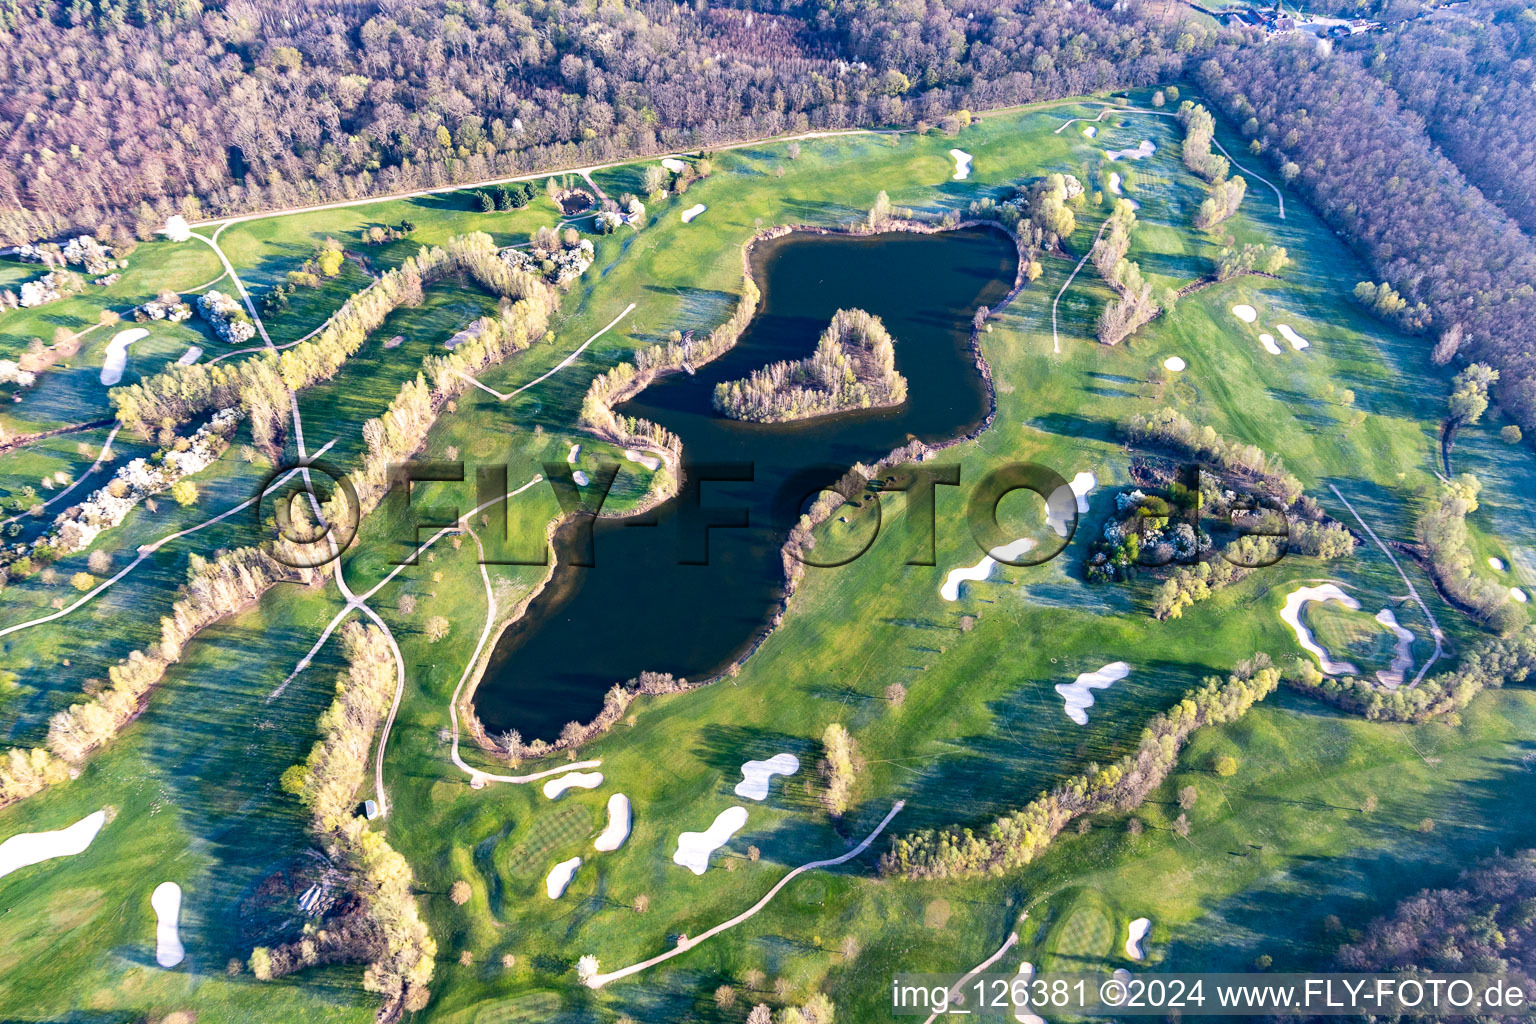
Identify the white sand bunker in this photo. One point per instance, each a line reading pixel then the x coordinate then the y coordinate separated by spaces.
pixel 1297 341
pixel 581 478
pixel 177 229
pixel 694 848
pixel 674 165
pixel 1518 594
pixel 1244 312
pixel 1091 131
pixel 1496 564
pixel 560 876
pixel 1078 694
pixel 190 356
pixel 166 901
pixel 117 354
pixel 574 780
pixel 1114 182
pixel 756 775
pixel 1291 616
pixel 1402 656
pixel 1268 341
pixel 962 164
pixel 1134 936
pixel 950 590
pixel 1075 491
pixel 619 820
pixel 575 454
pixel 1175 364
pixel 650 462
pixel 29 848
pixel 693 211
pixel 1146 149
pixel 1021 988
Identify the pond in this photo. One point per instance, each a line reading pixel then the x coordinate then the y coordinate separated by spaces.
pixel 668 595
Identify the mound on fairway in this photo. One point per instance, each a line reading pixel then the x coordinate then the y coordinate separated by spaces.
pixel 950 589
pixel 166 901
pixel 619 821
pixel 1078 694
pixel 575 780
pixel 30 848
pixel 756 775
pixel 694 848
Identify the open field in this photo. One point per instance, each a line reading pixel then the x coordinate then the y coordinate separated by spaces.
pixel 980 729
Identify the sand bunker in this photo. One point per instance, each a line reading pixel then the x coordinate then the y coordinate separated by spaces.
pixel 1268 341
pixel 674 165
pixel 693 211
pixel 166 901
pixel 950 590
pixel 1114 182
pixel 1075 491
pixel 1078 694
pixel 29 848
pixel 1090 131
pixel 618 825
pixel 560 876
pixel 650 462
pixel 1496 564
pixel 1020 988
pixel 469 333
pixel 1244 312
pixel 1135 934
pixel 581 478
pixel 190 356
pixel 575 453
pixel 962 164
pixel 177 229
pixel 1175 364
pixel 756 775
pixel 1518 594
pixel 574 780
pixel 1297 341
pixel 1291 616
pixel 117 354
pixel 1146 149
pixel 1402 657
pixel 694 848
pixel 394 342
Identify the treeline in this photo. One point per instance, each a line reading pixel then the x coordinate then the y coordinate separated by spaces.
pixel 1170 428
pixel 853 367
pixel 1251 259
pixel 1442 536
pixel 1226 194
pixel 626 380
pixel 1017 838
pixel 1384 301
pixel 1472 80
pixel 1134 306
pixel 261 385
pixel 208 110
pixel 1344 139
pixel 327 783
pixel 214 588
pixel 1487 665
pixel 1486 924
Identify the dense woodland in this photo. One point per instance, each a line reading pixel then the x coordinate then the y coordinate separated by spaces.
pixel 117 114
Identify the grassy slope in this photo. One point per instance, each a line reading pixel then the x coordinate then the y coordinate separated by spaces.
pixel 981 729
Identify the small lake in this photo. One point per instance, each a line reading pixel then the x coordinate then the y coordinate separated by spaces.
pixel 643 606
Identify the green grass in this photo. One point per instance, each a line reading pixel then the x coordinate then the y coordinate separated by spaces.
pixel 981 730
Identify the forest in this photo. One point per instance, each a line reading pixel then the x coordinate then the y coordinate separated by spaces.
pixel 113 116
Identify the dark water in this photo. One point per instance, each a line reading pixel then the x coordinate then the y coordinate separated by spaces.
pixel 642 606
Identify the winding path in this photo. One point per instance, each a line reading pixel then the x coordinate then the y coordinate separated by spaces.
pixel 1434 627
pixel 562 364
pixel 1008 943
pixel 599 980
